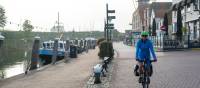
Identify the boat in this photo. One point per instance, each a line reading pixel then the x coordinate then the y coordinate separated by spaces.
pixel 46 52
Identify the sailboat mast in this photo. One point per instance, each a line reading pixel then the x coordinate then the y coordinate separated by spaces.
pixel 58 23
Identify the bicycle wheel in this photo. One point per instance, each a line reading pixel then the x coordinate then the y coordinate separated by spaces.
pixel 144 82
pixel 144 85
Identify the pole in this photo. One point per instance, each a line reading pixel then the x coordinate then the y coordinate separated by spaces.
pixel 58 23
pixel 104 28
pixel 55 51
pixel 107 21
pixel 35 53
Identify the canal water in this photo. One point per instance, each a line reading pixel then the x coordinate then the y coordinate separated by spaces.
pixel 13 70
pixel 15 52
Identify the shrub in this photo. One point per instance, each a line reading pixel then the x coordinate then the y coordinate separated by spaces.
pixel 100 40
pixel 106 49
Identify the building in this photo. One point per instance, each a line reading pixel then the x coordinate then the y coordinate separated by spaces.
pixel 190 17
pixel 138 16
pixel 157 10
pixel 148 11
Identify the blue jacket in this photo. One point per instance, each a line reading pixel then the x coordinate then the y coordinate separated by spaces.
pixel 143 49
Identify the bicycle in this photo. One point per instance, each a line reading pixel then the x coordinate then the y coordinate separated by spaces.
pixel 146 74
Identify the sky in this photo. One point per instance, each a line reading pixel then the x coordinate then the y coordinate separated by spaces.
pixel 80 15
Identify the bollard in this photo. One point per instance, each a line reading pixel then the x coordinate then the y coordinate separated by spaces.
pixel 106 61
pixel 55 51
pixel 97 73
pixel 67 45
pixel 35 53
pixel 86 46
pixel 67 49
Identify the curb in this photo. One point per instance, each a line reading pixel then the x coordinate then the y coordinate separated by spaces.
pixel 195 49
pixel 105 80
pixel 161 50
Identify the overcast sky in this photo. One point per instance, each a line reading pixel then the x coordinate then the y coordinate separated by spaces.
pixel 82 15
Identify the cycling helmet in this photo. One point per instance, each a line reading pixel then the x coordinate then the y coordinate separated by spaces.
pixel 144 33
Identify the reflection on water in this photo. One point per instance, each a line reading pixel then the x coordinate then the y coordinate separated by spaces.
pixel 14 70
pixel 18 68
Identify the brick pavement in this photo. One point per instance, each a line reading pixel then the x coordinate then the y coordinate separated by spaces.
pixel 175 69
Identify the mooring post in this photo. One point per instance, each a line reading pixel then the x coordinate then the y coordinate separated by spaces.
pixel 35 53
pixel 55 51
pixel 67 45
pixel 97 73
pixel 67 50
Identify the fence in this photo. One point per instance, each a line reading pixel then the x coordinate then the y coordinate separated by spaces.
pixel 164 42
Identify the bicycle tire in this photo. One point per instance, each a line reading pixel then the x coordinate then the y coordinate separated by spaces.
pixel 144 85
pixel 147 86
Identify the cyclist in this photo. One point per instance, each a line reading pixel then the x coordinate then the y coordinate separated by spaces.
pixel 143 48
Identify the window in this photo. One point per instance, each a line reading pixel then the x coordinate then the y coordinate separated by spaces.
pixel 188 8
pixel 175 13
pixel 195 4
pixel 174 27
pixel 61 45
pixel 198 4
pixel 195 30
pixel 48 45
pixel 44 45
pixel 182 11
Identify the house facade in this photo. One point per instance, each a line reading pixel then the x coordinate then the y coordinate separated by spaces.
pixel 190 17
pixel 148 11
pixel 138 17
pixel 157 11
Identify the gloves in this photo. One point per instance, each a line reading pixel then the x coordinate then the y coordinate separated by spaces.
pixel 155 60
pixel 137 59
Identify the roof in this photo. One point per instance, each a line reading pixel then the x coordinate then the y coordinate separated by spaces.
pixel 160 8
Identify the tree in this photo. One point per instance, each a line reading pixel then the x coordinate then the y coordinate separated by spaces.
pixel 165 23
pixel 27 27
pixel 179 24
pixel 154 27
pixel 2 17
pixel 150 31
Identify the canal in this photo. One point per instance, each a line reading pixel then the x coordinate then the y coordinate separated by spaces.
pixel 15 52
